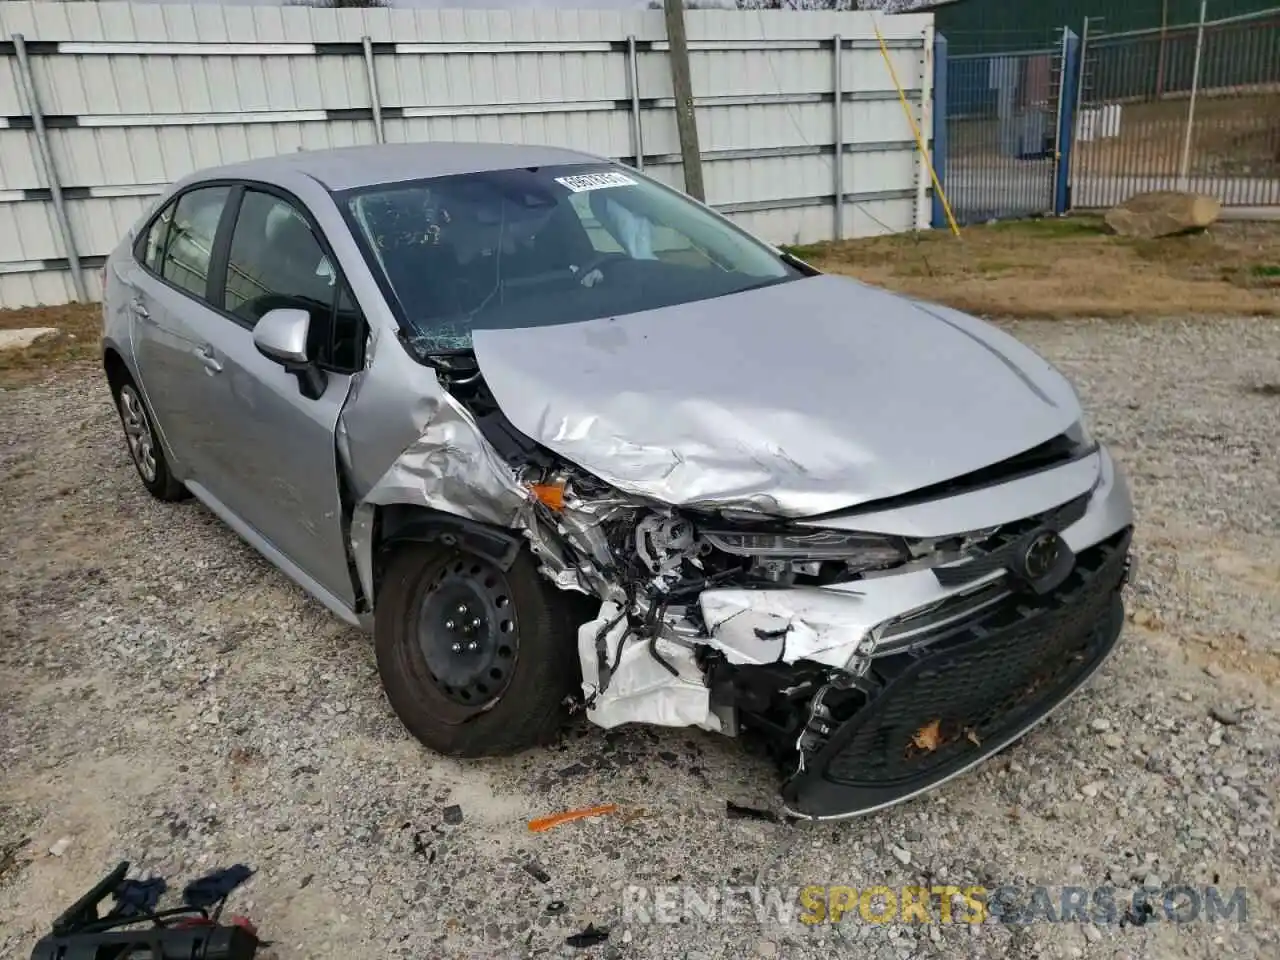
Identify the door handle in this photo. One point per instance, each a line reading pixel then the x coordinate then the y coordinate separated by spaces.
pixel 138 309
pixel 211 363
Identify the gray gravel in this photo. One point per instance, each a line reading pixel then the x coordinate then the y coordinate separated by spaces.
pixel 167 698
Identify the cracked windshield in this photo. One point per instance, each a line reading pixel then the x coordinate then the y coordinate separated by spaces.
pixel 531 247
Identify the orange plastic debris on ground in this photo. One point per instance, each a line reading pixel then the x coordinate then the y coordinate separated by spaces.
pixel 546 823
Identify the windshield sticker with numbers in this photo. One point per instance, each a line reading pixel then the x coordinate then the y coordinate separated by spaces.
pixel 595 181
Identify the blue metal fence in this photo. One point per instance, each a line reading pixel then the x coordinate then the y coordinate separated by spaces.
pixel 1002 130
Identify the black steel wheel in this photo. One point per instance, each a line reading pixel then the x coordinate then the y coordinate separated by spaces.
pixel 475 660
pixel 469 631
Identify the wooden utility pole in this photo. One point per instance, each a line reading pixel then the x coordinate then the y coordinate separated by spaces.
pixel 682 86
pixel 1164 46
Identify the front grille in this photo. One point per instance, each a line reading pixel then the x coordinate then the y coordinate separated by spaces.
pixel 921 626
pixel 981 681
pixel 999 551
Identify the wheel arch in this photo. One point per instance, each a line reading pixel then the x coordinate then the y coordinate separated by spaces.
pixel 120 371
pixel 398 523
pixel 115 367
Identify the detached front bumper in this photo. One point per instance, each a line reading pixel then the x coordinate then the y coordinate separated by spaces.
pixel 942 673
pixel 974 688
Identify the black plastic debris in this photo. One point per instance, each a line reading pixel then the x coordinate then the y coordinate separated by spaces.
pixel 536 871
pixel 590 937
pixel 421 847
pixel 1137 915
pixel 453 815
pixel 555 908
pixel 213 888
pixel 135 898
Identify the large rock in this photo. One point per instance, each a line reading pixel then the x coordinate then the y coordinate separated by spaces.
pixel 1163 213
pixel 23 337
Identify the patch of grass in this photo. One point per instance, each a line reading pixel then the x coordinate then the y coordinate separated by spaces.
pixel 79 340
pixel 1052 228
pixel 1072 267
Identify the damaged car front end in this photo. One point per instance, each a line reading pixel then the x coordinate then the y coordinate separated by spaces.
pixel 567 440
pixel 887 562
pixel 878 651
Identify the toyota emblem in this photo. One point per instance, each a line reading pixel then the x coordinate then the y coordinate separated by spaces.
pixel 1042 555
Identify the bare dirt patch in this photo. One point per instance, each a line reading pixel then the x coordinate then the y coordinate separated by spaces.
pixel 1071 267
pixel 79 340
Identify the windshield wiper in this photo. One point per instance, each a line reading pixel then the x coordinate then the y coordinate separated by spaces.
pixel 791 260
pixel 448 359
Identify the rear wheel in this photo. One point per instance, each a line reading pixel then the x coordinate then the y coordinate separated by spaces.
pixel 475 661
pixel 144 445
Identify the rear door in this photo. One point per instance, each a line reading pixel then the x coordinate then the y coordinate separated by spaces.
pixel 169 303
pixel 274 463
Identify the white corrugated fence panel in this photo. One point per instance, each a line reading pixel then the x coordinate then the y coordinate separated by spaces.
pixel 137 96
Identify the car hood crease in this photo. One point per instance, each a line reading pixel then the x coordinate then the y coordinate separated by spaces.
pixel 794 399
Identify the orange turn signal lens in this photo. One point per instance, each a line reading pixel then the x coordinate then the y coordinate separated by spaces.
pixel 550 495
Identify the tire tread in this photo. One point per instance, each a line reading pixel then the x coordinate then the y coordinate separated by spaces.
pixel 531 711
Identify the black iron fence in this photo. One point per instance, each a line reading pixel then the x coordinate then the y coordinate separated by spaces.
pixel 1194 107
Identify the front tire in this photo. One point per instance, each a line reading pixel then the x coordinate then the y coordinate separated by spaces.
pixel 144 445
pixel 474 661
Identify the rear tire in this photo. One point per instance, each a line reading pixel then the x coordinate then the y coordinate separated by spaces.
pixel 474 661
pixel 143 444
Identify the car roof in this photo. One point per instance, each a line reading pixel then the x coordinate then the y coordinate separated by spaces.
pixel 345 167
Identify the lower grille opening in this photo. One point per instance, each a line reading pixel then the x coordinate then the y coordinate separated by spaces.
pixel 973 687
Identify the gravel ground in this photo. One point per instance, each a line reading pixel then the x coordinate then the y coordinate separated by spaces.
pixel 166 697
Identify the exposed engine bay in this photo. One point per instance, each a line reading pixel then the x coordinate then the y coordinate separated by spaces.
pixel 731 620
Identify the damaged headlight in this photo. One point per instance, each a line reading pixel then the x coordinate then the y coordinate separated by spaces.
pixel 858 550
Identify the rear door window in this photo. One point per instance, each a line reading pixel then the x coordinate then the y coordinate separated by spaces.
pixel 189 244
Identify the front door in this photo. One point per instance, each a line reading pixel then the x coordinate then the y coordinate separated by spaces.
pixel 276 467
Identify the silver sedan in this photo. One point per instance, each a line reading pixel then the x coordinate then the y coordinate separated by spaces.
pixel 568 441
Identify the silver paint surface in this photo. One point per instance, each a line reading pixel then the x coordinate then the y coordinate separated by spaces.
pixel 791 400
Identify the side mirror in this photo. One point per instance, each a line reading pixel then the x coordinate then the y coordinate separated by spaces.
pixel 281 335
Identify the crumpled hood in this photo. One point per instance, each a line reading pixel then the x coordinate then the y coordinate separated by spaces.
pixel 792 400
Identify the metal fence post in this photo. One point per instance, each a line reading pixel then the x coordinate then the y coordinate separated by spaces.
pixel 633 71
pixel 374 101
pixel 837 59
pixel 924 211
pixel 939 217
pixel 1184 168
pixel 1080 91
pixel 1064 136
pixel 28 81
